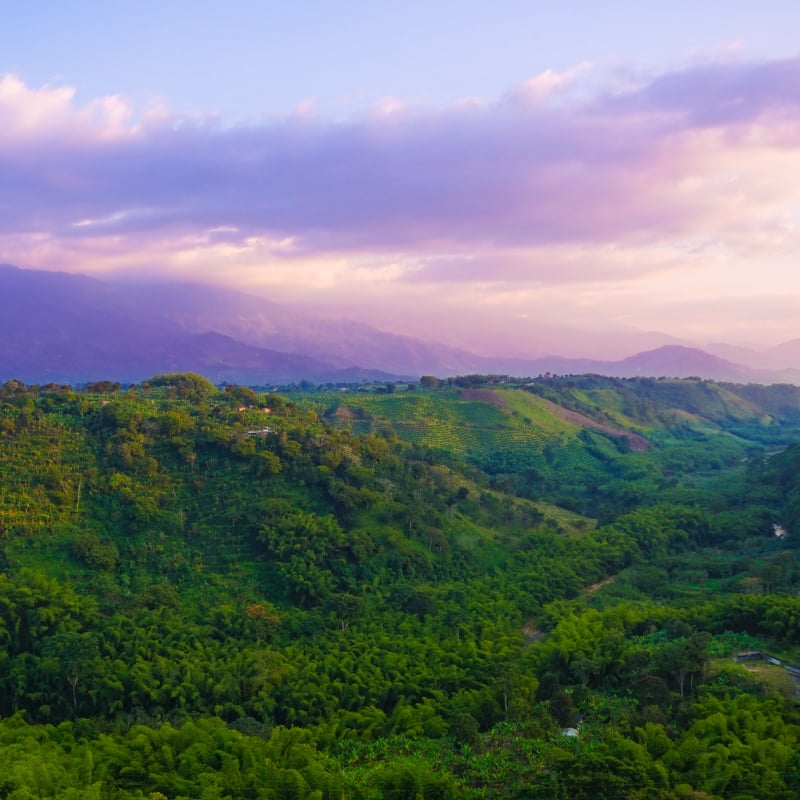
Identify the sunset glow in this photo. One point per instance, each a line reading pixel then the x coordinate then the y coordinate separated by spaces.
pixel 594 196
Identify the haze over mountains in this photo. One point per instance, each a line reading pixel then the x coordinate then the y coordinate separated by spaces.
pixel 66 328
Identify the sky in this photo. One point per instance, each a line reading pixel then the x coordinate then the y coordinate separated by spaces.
pixel 511 177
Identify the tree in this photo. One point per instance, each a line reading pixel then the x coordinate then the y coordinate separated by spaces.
pixel 684 657
pixel 187 385
pixel 76 654
pixel 346 607
pixel 263 617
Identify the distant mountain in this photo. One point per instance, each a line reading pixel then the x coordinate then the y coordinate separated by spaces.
pixel 70 328
pixel 746 356
pixel 683 362
pixel 339 342
pixel 673 361
pixel 785 355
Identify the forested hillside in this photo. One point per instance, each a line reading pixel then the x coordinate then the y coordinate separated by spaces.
pixel 473 589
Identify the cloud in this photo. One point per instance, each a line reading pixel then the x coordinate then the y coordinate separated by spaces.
pixel 559 181
pixel 715 94
pixel 549 85
pixel 50 115
pixel 563 263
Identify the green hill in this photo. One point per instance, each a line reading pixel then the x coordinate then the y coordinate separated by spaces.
pixel 212 593
pixel 568 440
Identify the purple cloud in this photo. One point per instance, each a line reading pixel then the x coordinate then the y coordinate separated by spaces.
pixel 540 168
pixel 718 94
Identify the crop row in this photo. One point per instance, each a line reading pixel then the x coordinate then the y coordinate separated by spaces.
pixel 46 453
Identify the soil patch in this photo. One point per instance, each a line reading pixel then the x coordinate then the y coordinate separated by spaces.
pixel 484 396
pixel 595 587
pixel 637 443
pixel 532 633
pixel 344 413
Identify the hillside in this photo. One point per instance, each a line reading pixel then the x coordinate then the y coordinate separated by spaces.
pixel 589 443
pixel 225 593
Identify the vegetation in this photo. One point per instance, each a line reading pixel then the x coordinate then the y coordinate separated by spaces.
pixel 467 589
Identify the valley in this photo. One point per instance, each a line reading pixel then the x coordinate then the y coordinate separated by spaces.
pixel 411 593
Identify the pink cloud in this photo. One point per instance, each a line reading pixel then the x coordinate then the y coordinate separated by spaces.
pixel 49 115
pixel 477 191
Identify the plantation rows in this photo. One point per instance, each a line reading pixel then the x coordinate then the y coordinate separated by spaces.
pixel 439 421
pixel 41 473
pixel 573 455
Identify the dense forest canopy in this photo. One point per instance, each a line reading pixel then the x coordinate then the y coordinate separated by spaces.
pixel 474 588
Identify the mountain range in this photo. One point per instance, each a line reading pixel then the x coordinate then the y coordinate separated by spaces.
pixel 67 328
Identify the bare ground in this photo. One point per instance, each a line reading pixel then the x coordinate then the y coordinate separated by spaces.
pixel 637 443
pixel 595 587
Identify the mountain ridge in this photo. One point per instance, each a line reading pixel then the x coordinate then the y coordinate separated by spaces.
pixel 63 327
